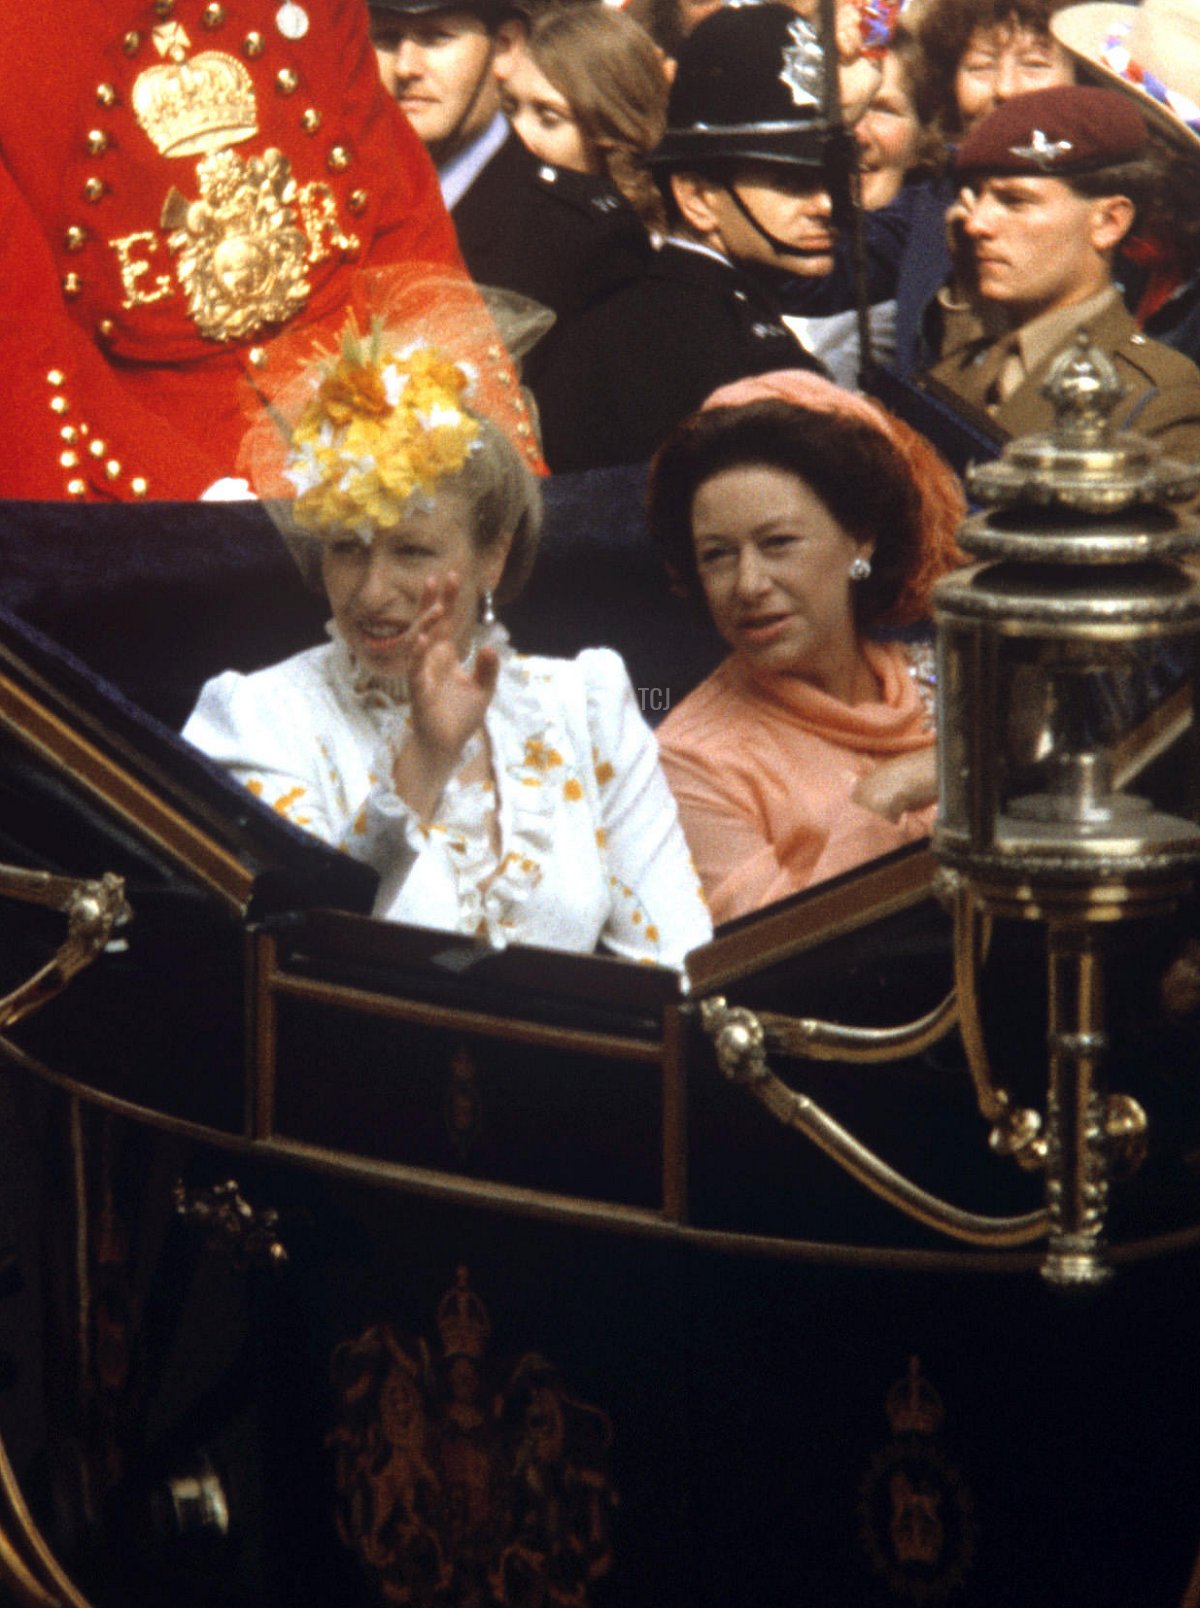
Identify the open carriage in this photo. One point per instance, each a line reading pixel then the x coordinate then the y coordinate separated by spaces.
pixel 353 1262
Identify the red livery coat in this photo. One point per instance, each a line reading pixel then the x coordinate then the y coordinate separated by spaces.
pixel 184 180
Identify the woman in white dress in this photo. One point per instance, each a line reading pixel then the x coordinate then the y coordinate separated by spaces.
pixel 512 798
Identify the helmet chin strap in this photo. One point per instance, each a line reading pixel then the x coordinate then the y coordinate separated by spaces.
pixel 775 243
pixel 454 142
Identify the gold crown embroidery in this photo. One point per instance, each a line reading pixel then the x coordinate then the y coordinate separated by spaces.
pixel 191 108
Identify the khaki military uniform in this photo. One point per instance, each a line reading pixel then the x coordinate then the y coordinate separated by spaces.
pixel 1162 387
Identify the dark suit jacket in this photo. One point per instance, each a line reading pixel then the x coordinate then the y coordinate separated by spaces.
pixel 649 353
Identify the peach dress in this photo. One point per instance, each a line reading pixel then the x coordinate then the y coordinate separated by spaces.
pixel 762 769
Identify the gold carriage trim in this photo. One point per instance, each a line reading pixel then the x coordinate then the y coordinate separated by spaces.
pixel 241 254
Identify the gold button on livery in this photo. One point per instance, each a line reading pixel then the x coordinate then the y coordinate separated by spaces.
pixel 286 81
pixel 97 142
pixel 106 95
pixel 213 16
pixel 253 45
pixel 338 159
pixel 311 121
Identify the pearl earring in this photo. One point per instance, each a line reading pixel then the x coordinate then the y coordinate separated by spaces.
pixel 487 610
pixel 860 568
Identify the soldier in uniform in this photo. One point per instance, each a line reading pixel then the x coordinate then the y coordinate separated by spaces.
pixel 746 167
pixel 564 239
pixel 1052 184
pixel 182 181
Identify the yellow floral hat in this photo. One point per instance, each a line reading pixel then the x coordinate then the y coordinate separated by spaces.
pixel 344 439
pixel 382 427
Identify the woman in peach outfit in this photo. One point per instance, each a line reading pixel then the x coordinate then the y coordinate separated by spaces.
pixel 808 520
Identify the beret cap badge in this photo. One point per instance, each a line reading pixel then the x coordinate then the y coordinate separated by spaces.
pixel 1042 152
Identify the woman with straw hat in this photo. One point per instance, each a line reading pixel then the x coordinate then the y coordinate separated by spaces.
pixel 1151 52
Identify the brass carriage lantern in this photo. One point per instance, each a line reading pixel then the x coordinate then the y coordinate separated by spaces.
pixel 1057 654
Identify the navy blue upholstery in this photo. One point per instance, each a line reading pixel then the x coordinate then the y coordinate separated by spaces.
pixel 157 597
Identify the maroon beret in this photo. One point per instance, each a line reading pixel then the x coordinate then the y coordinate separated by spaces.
pixel 1054 133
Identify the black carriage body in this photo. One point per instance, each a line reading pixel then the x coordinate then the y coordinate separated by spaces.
pixel 363 1265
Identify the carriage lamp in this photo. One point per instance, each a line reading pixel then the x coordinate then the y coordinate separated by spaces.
pixel 1065 688
pixel 1057 658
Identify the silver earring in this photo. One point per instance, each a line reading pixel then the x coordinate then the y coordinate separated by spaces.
pixel 860 568
pixel 487 610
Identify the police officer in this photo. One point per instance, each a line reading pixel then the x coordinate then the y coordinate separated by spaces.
pixel 558 237
pixel 187 179
pixel 748 168
pixel 1052 184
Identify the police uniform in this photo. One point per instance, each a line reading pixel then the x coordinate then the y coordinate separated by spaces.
pixel 641 360
pixel 561 238
pixel 204 174
pixel 750 86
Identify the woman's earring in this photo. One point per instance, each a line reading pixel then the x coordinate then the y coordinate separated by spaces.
pixel 487 610
pixel 860 568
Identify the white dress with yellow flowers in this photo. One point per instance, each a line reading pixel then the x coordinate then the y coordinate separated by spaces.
pixel 591 851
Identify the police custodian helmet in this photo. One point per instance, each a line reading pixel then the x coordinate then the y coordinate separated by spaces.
pixel 750 86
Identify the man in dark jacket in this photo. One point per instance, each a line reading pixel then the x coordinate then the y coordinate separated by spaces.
pixel 561 238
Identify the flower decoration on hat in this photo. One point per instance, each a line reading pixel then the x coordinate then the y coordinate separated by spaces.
pixel 1149 51
pixel 878 21
pixel 384 426
pixel 346 431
